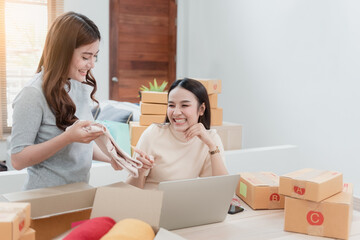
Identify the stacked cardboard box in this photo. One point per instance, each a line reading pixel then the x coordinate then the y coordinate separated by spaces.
pixel 213 88
pixel 15 221
pixel 153 107
pixel 28 235
pixel 317 203
pixel 54 209
pixel 135 132
pixel 260 190
pixel 230 134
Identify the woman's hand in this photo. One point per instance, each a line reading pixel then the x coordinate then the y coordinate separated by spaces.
pixel 198 130
pixel 147 160
pixel 77 132
pixel 148 163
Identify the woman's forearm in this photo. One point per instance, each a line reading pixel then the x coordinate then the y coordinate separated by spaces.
pixel 217 165
pixel 137 182
pixel 38 153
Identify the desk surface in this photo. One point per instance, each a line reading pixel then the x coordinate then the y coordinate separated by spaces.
pixel 254 225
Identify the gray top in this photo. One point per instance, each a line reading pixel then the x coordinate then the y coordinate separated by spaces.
pixel 34 122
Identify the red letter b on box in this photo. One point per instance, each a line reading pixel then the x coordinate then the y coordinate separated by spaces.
pixel 275 197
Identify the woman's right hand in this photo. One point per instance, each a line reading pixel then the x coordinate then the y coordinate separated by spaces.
pixel 147 160
pixel 77 132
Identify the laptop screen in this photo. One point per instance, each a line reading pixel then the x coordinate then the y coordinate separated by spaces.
pixel 199 201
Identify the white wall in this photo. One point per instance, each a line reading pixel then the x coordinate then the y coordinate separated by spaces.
pixel 290 71
pixel 98 12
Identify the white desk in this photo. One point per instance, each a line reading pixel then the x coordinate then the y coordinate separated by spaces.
pixel 255 225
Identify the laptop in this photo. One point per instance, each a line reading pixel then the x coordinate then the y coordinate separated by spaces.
pixel 193 202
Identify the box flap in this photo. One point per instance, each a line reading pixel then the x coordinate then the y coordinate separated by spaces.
pixel 122 201
pixel 56 200
pixel 344 197
pixel 120 184
pixel 261 178
pixel 164 234
pixel 312 175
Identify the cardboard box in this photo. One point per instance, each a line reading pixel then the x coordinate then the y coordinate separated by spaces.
pixel 153 97
pixel 216 116
pixel 311 184
pixel 211 85
pixel 135 132
pixel 146 120
pixel 110 201
pixel 54 209
pixel 260 190
pixel 120 201
pixel 14 219
pixel 28 235
pixel 153 108
pixel 329 218
pixel 213 99
pixel 230 134
pixel 57 207
pixel 132 150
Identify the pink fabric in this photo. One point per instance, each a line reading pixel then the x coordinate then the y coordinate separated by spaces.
pixel 110 148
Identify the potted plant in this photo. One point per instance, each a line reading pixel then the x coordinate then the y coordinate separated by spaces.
pixel 154 87
pixel 154 93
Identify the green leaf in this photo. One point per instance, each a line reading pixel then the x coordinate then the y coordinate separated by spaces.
pixel 154 86
pixel 143 88
pixel 162 86
pixel 151 86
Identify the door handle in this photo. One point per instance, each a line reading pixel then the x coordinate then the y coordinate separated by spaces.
pixel 114 79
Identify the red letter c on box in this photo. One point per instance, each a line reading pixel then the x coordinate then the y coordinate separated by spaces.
pixel 315 218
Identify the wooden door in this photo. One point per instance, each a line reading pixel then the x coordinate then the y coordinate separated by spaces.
pixel 142 45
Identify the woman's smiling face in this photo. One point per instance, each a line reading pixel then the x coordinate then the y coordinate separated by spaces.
pixel 183 109
pixel 83 60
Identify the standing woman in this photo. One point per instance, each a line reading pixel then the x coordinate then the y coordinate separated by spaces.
pixel 57 96
pixel 184 146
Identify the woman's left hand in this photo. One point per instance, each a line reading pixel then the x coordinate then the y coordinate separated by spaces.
pixel 198 130
pixel 147 160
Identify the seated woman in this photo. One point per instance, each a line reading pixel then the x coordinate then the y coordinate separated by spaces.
pixel 184 146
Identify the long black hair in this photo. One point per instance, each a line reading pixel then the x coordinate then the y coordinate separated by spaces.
pixel 201 95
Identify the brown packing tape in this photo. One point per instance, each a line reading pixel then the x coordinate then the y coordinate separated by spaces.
pixel 311 174
pixel 14 219
pixel 299 181
pixel 264 178
pixel 314 218
pixel 326 175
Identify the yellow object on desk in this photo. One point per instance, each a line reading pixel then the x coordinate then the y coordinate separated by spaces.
pixel 130 229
